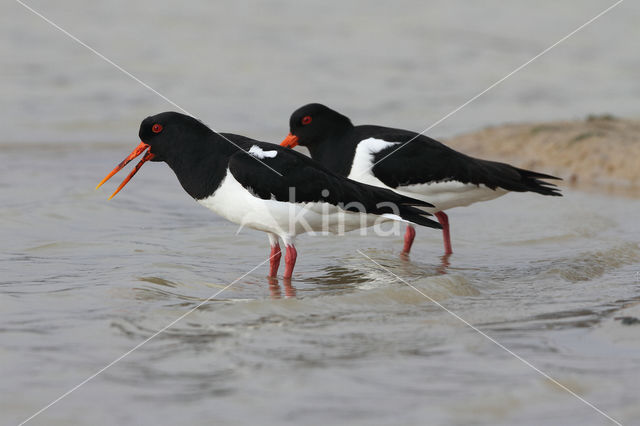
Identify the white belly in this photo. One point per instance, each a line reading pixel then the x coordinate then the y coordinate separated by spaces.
pixel 447 195
pixel 233 202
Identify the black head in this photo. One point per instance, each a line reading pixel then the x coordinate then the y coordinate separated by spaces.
pixel 169 137
pixel 314 123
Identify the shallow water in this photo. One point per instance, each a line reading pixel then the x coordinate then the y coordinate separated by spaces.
pixel 85 279
pixel 245 66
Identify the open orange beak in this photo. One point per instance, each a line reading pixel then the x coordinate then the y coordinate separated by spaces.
pixel 139 150
pixel 290 141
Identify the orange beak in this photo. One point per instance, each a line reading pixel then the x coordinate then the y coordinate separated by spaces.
pixel 290 141
pixel 139 150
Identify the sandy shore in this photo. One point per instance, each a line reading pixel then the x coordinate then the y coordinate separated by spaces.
pixel 602 152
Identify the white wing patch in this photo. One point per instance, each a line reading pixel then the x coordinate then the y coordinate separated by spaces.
pixel 363 160
pixel 257 152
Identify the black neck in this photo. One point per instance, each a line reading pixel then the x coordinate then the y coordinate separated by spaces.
pixel 336 151
pixel 201 168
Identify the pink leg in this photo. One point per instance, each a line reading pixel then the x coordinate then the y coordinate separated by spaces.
pixel 274 260
pixel 289 261
pixel 444 221
pixel 408 239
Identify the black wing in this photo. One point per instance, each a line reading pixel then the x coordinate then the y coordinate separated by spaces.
pixel 420 159
pixel 313 183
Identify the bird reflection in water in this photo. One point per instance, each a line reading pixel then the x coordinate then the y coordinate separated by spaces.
pixel 274 288
pixel 441 269
pixel 444 264
pixel 339 279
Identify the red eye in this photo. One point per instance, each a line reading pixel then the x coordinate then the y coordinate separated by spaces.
pixel 306 120
pixel 156 128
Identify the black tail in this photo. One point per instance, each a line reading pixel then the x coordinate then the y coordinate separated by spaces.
pixel 381 201
pixel 417 216
pixel 406 207
pixel 531 181
pixel 505 176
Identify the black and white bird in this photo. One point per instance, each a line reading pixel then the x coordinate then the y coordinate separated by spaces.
pixel 264 186
pixel 408 163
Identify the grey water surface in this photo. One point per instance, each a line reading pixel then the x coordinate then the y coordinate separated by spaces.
pixel 83 280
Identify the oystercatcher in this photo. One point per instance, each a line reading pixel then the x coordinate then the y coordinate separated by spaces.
pixel 264 186
pixel 408 163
